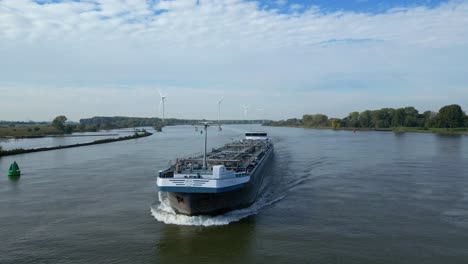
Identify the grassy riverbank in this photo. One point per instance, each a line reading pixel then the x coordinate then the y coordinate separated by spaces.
pixel 96 142
pixel 462 131
pixel 28 131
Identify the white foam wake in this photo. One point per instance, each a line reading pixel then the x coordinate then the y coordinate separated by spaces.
pixel 164 213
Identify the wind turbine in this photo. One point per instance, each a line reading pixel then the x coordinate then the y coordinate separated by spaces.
pixel 219 111
pixel 246 109
pixel 163 98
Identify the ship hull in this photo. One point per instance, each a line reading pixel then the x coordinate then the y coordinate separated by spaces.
pixel 218 203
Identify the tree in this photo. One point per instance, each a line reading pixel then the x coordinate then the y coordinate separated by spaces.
pixel 450 116
pixel 82 127
pixel 353 119
pixel 335 123
pixel 307 120
pixel 411 116
pixel 69 128
pixel 320 120
pixel 59 123
pixel 315 120
pixel 384 117
pixel 399 117
pixel 365 118
pixel 429 119
pixel 374 118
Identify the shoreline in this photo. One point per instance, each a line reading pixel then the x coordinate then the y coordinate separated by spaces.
pixel 96 142
pixel 64 135
pixel 395 130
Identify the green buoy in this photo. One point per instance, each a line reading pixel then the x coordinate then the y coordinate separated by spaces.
pixel 14 170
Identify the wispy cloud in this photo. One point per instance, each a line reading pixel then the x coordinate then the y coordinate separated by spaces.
pixel 281 2
pixel 232 46
pixel 295 7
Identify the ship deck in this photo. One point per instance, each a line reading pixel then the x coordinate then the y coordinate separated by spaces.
pixel 234 156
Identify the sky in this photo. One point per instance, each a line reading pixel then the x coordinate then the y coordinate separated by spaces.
pixel 282 58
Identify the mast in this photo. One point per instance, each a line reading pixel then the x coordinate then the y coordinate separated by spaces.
pixel 219 111
pixel 206 139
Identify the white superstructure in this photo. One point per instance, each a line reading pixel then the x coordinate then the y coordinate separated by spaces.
pixel 227 168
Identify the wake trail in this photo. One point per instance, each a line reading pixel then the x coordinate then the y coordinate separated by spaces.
pixel 164 213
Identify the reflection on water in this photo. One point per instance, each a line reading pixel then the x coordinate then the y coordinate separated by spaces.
pixel 450 144
pixel 14 179
pixel 220 244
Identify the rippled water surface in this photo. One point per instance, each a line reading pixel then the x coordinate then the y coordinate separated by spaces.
pixel 327 197
pixel 55 141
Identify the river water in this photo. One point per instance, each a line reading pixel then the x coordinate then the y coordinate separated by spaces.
pixel 54 141
pixel 328 197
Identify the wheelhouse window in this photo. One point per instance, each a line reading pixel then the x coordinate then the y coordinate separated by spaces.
pixel 255 134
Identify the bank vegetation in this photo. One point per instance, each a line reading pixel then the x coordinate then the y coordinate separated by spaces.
pixel 449 119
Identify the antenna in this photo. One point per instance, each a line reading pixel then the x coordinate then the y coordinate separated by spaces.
pixel 206 139
pixel 163 98
pixel 219 111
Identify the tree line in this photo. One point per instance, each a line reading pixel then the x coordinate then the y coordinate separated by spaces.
pixel 124 122
pixel 450 117
pixel 61 125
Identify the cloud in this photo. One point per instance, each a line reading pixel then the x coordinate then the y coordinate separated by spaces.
pixel 281 2
pixel 295 7
pixel 232 47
